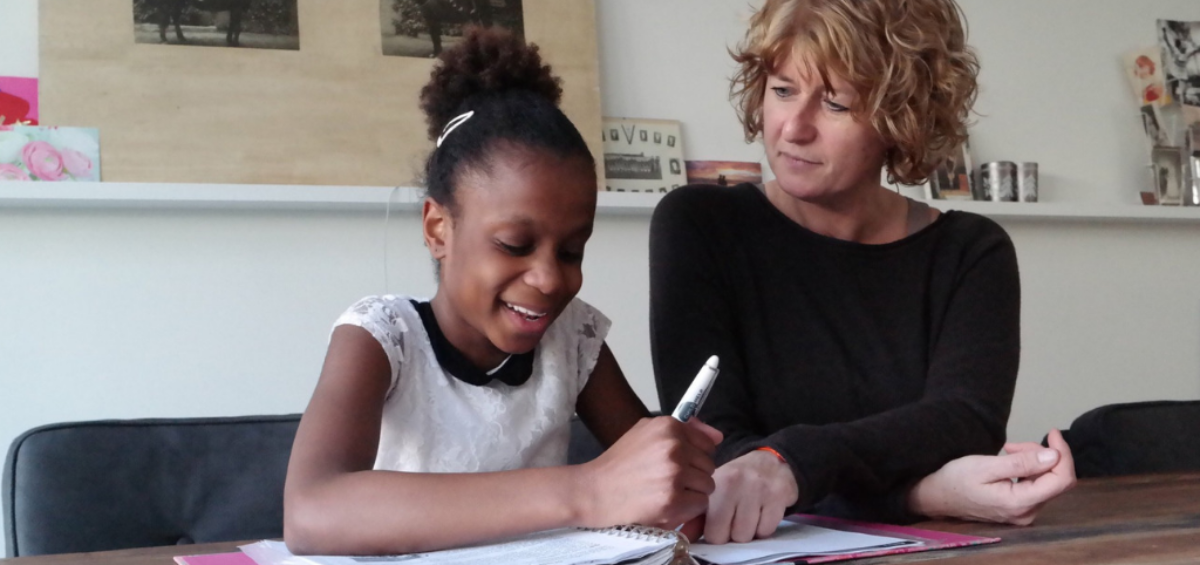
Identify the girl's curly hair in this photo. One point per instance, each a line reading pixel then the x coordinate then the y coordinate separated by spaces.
pixel 514 98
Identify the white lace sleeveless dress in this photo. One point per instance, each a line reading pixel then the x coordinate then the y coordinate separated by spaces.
pixel 435 423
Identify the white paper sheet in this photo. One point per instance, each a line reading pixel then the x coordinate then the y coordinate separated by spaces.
pixel 795 540
pixel 554 547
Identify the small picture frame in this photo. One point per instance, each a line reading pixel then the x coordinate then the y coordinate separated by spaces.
pixel 643 155
pixel 1167 163
pixel 951 179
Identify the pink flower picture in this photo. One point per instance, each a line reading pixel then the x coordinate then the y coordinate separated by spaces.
pixel 49 153
pixel 43 161
pixel 12 172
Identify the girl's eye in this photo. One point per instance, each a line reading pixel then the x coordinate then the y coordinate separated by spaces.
pixel 781 91
pixel 515 250
pixel 572 257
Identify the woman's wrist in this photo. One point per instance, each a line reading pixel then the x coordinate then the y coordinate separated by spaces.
pixel 923 498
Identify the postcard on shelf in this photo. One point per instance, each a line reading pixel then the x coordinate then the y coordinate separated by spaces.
pixel 1143 70
pixel 49 153
pixel 18 100
pixel 643 155
pixel 952 179
pixel 723 173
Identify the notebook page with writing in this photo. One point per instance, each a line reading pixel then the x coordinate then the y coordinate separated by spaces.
pixel 793 540
pixel 554 547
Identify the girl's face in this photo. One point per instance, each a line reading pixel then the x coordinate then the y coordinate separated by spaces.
pixel 511 257
pixel 815 147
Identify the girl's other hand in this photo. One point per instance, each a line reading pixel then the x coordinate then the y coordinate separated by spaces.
pixel 658 474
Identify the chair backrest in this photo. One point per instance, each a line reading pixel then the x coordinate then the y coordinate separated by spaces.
pixel 115 484
pixel 584 446
pixel 1139 437
pixel 91 486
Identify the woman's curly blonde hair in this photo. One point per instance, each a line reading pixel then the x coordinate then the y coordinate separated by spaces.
pixel 906 59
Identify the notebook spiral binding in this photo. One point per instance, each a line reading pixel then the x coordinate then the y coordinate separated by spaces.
pixel 648 533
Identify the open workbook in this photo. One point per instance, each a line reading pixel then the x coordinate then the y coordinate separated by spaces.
pixel 800 538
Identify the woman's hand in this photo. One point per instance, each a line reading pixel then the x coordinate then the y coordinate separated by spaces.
pixel 981 487
pixel 752 493
pixel 658 474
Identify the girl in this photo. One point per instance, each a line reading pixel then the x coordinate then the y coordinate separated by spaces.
pixel 443 423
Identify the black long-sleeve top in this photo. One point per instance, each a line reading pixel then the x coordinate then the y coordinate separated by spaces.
pixel 866 366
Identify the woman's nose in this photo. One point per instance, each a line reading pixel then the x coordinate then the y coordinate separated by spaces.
pixel 800 125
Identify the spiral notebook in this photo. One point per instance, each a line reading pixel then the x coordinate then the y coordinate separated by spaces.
pixel 799 539
pixel 625 545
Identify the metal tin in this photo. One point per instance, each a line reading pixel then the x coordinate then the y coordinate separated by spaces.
pixel 1027 182
pixel 999 181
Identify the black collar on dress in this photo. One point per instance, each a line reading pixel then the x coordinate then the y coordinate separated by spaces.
pixel 513 372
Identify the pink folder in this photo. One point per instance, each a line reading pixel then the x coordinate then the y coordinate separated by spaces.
pixel 231 558
pixel 933 540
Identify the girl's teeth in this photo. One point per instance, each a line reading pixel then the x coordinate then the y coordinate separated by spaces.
pixel 529 314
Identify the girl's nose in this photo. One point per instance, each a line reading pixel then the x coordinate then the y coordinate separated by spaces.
pixel 545 274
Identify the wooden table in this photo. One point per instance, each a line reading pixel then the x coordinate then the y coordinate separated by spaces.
pixel 1151 519
pixel 1147 519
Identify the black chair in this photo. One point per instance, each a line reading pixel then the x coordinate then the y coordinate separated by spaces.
pixel 1134 438
pixel 92 486
pixel 115 484
pixel 584 446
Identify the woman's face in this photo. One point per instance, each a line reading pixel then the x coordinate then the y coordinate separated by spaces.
pixel 816 148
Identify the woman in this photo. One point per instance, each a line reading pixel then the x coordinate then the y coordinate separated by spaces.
pixel 869 344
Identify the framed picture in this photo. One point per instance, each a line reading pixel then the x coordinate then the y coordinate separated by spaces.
pixel 422 28
pixel 643 155
pixel 264 24
pixel 1168 170
pixel 951 180
pixel 724 173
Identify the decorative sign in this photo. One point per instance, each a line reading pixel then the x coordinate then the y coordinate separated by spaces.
pixel 643 155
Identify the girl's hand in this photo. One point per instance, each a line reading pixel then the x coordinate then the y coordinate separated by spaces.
pixel 658 474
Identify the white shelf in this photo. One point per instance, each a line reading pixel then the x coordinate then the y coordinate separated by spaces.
pixel 375 198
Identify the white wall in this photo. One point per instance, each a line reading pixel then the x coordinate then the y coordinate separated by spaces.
pixel 122 314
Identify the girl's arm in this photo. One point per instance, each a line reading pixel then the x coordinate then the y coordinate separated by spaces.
pixel 607 404
pixel 334 503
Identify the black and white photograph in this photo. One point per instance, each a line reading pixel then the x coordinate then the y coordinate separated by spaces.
pixel 1180 42
pixel 255 24
pixel 423 28
pixel 951 180
pixel 1154 131
pixel 636 159
pixel 1168 174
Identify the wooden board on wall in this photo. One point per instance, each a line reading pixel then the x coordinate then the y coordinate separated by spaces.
pixel 335 112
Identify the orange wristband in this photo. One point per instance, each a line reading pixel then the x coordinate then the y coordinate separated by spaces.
pixel 773 452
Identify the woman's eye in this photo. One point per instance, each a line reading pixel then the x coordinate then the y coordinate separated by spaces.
pixel 834 106
pixel 515 250
pixel 781 91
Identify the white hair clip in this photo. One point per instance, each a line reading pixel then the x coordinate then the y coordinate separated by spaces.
pixel 457 121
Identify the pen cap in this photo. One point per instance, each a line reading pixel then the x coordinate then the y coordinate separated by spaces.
pixel 698 391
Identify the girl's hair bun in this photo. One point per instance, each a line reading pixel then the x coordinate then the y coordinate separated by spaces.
pixel 487 61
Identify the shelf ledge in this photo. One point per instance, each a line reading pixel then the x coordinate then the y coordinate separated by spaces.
pixel 80 195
